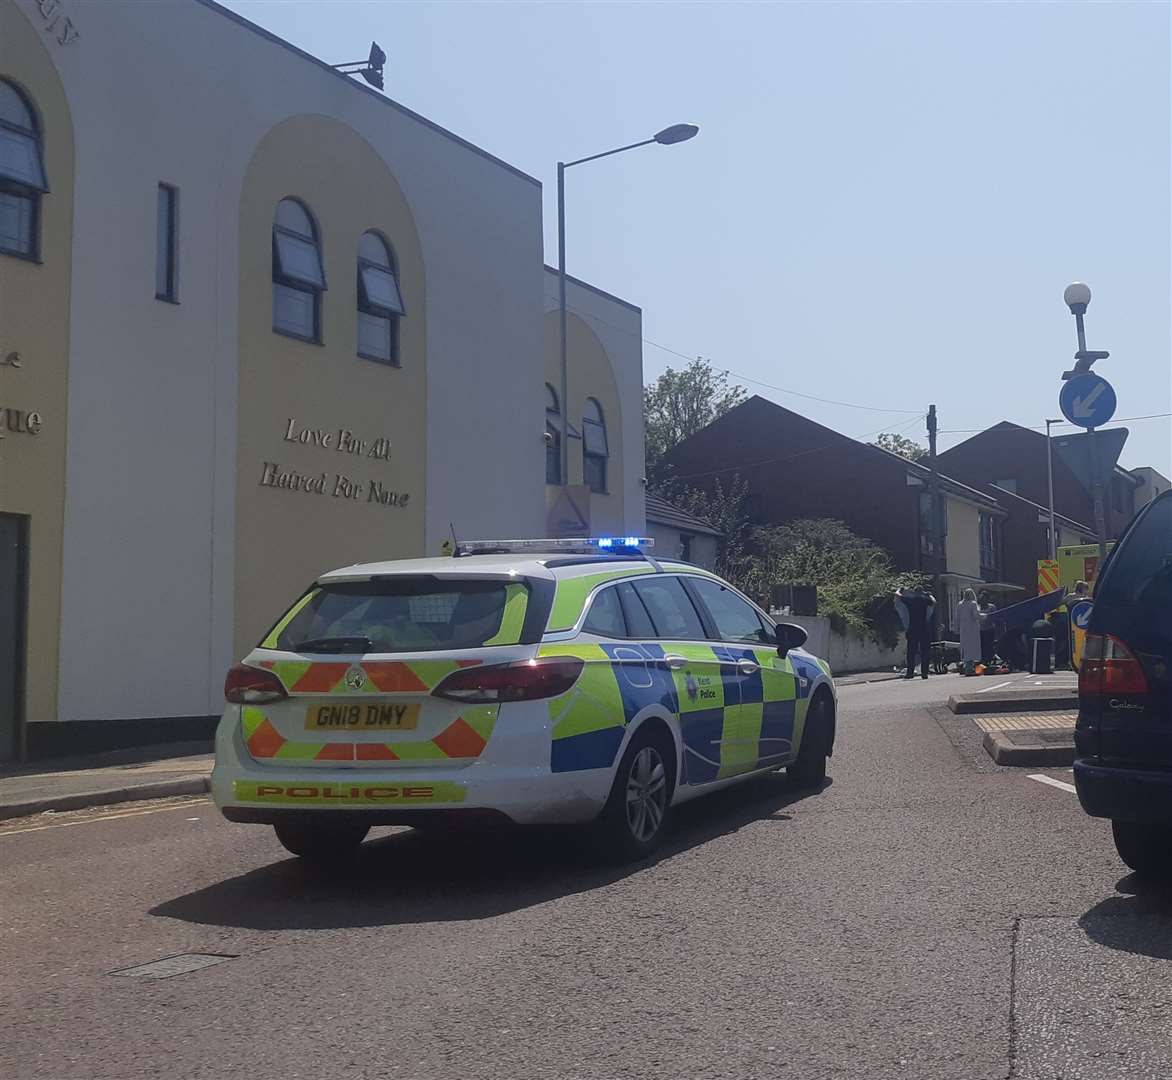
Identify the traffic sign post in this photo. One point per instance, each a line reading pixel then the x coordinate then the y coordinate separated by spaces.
pixel 1088 401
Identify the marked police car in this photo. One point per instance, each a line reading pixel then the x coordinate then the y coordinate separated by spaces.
pixel 558 681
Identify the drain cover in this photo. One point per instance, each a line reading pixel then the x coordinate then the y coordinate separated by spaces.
pixel 176 965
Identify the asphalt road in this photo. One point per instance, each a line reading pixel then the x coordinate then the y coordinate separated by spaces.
pixel 927 914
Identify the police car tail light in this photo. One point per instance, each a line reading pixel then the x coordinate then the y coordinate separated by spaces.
pixel 526 680
pixel 1109 667
pixel 246 685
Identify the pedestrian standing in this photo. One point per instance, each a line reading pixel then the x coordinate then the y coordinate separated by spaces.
pixel 968 618
pixel 915 608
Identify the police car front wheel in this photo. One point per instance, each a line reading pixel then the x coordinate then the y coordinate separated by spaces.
pixel 321 841
pixel 809 770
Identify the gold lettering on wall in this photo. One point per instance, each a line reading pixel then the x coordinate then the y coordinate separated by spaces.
pixel 338 485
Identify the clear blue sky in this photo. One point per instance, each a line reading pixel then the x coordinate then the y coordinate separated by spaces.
pixel 883 205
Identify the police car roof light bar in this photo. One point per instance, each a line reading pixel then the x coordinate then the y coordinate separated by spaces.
pixel 606 545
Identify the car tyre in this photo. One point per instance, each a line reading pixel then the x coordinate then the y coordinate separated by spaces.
pixel 809 769
pixel 1146 848
pixel 636 815
pixel 323 842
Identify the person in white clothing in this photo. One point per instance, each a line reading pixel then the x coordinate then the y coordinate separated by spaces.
pixel 968 619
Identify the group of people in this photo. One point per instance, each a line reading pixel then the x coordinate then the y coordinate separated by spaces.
pixel 977 635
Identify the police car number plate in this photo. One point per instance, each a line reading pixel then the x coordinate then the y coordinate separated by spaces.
pixel 361 716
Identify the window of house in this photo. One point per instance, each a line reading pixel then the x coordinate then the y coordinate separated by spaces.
pixel 22 174
pixel 686 547
pixel 380 303
pixel 1009 484
pixel 553 437
pixel 990 531
pixel 299 278
pixel 928 543
pixel 595 451
pixel 166 244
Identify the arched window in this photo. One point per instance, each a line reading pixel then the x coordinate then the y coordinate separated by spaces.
pixel 553 437
pixel 594 447
pixel 298 276
pixel 380 304
pixel 22 174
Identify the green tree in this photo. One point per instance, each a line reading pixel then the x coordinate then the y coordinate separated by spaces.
pixel 723 507
pixel 901 445
pixel 680 403
pixel 854 576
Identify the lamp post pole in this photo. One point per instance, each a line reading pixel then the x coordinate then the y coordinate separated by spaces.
pixel 669 135
pixel 1050 487
pixel 1077 296
pixel 564 455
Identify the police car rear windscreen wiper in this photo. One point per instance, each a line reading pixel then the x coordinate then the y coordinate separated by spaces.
pixel 335 645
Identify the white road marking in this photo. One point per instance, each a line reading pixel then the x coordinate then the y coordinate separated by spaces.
pixel 103 817
pixel 1043 779
pixel 986 689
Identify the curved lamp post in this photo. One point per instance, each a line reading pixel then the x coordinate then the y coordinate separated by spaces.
pixel 669 136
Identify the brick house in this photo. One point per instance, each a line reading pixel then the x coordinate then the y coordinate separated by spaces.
pixel 795 468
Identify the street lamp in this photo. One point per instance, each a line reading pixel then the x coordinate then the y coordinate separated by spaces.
pixel 669 136
pixel 1077 296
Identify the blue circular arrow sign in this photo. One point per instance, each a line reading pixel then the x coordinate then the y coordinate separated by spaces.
pixel 1080 613
pixel 1087 400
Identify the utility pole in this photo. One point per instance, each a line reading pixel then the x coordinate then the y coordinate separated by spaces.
pixel 937 509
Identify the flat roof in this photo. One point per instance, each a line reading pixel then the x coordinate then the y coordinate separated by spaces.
pixel 362 88
pixel 595 289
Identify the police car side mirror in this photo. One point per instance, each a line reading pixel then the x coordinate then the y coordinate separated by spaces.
pixel 790 636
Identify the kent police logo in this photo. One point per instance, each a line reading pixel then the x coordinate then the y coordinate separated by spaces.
pixel 356 678
pixel 691 686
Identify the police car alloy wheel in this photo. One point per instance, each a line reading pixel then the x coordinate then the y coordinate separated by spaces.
pixel 635 818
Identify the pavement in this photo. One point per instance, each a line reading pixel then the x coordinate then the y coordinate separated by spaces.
pixel 75 783
pixel 927 915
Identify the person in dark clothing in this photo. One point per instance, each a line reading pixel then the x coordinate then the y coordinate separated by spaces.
pixel 915 608
pixel 988 630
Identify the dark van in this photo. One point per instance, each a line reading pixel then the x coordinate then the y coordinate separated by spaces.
pixel 1123 740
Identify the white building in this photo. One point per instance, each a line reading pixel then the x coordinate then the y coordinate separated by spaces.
pixel 257 320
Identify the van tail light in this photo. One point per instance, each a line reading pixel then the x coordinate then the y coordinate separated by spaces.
pixel 525 680
pixel 1108 668
pixel 246 685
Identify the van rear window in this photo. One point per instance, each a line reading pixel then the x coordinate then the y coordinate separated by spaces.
pixel 403 614
pixel 1139 573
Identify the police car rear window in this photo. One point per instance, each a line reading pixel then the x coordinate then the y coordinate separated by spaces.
pixel 404 614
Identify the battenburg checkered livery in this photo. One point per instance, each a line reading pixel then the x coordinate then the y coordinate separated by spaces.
pixel 541 682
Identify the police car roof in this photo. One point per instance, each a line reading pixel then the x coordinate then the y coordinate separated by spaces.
pixel 532 564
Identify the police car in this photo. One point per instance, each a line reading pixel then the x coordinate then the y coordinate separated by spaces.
pixel 552 682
